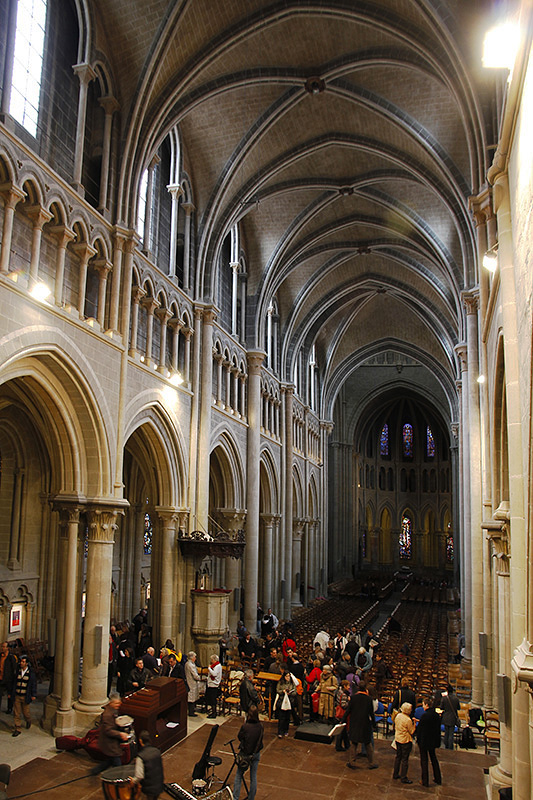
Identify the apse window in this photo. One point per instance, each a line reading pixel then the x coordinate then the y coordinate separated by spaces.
pixel 430 443
pixel 407 440
pixel 28 63
pixel 406 539
pixel 384 441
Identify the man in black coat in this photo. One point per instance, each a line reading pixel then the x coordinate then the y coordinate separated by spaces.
pixel 362 723
pixel 8 670
pixel 149 768
pixel 404 695
pixel 428 738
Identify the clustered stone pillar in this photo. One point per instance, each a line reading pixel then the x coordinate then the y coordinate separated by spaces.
pixel 66 670
pixel 13 195
pixel 288 510
pixel 251 556
pixel 102 525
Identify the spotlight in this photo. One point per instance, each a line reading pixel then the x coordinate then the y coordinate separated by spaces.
pixel 490 259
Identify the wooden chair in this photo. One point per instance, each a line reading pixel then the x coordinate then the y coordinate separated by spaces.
pixel 491 735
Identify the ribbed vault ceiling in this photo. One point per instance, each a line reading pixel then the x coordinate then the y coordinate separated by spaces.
pixel 353 200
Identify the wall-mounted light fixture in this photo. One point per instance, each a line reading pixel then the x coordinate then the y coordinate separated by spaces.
pixel 490 259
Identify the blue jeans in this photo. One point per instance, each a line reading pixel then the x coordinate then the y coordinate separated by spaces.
pixel 449 730
pixel 253 779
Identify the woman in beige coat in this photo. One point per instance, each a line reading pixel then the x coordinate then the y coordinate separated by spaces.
pixel 327 687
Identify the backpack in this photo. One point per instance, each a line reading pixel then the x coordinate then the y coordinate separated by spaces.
pixel 467 739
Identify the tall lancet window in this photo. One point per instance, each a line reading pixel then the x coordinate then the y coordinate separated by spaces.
pixel 406 539
pixel 430 443
pixel 384 441
pixel 407 440
pixel 28 63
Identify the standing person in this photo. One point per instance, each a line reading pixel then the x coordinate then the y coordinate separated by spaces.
pixel 360 711
pixel 313 680
pixel 247 691
pixel 150 661
pixel 8 670
pixel 251 743
pixel 109 735
pixel 214 678
pixel 428 738
pixel 125 665
pixel 342 701
pixel 404 695
pixel 449 702
pixel 326 688
pixel 193 680
pixel 149 768
pixel 404 727
pixel 286 694
pixel 23 692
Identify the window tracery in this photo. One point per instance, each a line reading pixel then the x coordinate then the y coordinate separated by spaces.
pixel 405 541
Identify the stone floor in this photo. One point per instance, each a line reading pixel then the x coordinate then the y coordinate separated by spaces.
pixel 296 769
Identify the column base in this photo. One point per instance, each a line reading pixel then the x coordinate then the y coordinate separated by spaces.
pixel 50 706
pixel 65 723
pixel 497 780
pixel 87 714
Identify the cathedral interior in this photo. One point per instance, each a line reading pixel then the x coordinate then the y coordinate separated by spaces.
pixel 265 293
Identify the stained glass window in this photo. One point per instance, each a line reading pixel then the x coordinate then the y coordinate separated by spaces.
pixel 147 535
pixel 363 544
pixel 85 541
pixel 407 438
pixel 430 443
pixel 405 543
pixel 384 441
pixel 449 545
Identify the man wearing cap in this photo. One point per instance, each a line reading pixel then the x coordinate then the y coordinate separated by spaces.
pixel 23 692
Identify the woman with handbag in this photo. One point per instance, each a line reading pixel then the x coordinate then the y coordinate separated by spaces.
pixel 286 693
pixel 404 728
pixel 251 743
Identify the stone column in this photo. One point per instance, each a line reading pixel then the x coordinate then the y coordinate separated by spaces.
pixel 219 360
pixel 102 266
pixel 251 555
pixel 110 105
pixel 234 266
pixel 471 302
pixel 288 510
pixel 137 513
pixel 67 658
pixel 163 617
pixel 176 325
pixel 13 195
pixel 84 252
pixel 163 315
pixel 120 240
pixel 297 530
pixel 64 235
pixel 187 333
pixel 195 415
pixel 148 206
pixel 102 526
pixel 202 503
pixel 13 561
pixel 39 216
pixel 268 559
pixel 86 74
pixel 137 295
pixel 150 303
pixel 175 192
pixel 466 538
